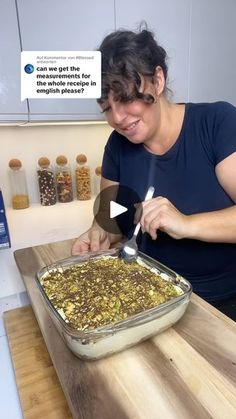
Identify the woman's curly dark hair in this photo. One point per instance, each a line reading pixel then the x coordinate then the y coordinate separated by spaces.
pixel 126 56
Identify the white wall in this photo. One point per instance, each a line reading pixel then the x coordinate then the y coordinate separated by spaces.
pixel 30 143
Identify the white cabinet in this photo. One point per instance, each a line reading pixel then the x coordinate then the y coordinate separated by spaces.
pixel 170 21
pixel 198 36
pixel 213 53
pixel 11 107
pixel 72 25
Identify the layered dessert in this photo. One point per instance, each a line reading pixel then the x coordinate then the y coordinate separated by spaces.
pixel 102 305
pixel 104 291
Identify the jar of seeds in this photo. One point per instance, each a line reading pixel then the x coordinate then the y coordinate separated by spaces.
pixel 20 197
pixel 83 179
pixel 46 182
pixel 63 180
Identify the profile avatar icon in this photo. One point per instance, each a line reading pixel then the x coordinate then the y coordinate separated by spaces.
pixel 29 68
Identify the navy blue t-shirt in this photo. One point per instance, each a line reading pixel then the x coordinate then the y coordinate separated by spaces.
pixel 185 175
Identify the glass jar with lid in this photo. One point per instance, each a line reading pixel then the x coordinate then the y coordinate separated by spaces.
pixel 46 182
pixel 63 180
pixel 97 179
pixel 20 197
pixel 83 178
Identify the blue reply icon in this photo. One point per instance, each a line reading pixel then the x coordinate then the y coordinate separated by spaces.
pixel 29 68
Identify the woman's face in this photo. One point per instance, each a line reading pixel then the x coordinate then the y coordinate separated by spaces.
pixel 137 121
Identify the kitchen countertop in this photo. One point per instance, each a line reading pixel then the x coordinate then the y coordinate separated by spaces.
pixel 187 371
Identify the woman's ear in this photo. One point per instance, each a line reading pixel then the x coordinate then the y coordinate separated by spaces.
pixel 159 80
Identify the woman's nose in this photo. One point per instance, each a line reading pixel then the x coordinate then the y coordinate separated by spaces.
pixel 118 113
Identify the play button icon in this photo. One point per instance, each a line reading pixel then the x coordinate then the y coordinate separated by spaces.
pixel 116 209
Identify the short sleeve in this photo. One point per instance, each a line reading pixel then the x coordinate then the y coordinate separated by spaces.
pixel 111 159
pixel 224 133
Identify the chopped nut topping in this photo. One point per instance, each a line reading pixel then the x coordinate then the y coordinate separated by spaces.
pixel 106 290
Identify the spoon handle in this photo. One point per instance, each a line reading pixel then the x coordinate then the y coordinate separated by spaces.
pixel 148 195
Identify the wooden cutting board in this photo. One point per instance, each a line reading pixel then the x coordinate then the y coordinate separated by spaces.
pixel 188 371
pixel 40 391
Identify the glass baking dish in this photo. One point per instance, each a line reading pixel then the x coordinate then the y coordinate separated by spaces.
pixel 111 338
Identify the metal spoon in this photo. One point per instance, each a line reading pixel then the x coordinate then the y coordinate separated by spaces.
pixel 129 251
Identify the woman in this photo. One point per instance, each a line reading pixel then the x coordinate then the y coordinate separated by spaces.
pixel 187 151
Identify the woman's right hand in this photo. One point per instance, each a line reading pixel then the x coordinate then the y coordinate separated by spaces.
pixel 93 240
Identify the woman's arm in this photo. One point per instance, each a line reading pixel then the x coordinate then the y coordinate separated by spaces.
pixel 96 238
pixel 215 226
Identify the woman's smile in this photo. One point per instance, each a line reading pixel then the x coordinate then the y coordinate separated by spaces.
pixel 129 129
